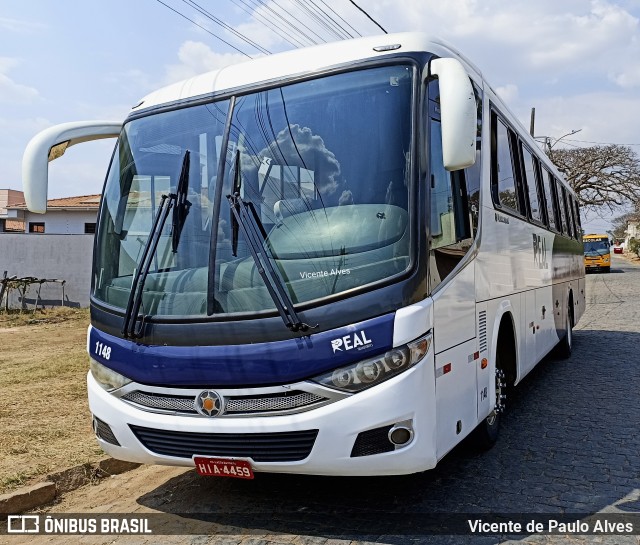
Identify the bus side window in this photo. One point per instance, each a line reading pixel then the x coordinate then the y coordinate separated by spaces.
pixel 563 213
pixel 578 220
pixel 452 218
pixel 539 173
pixel 503 180
pixel 552 209
pixel 473 173
pixel 531 184
pixel 448 221
pixel 567 212
pixel 449 214
pixel 570 213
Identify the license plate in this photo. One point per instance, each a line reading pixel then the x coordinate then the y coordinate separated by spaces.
pixel 223 467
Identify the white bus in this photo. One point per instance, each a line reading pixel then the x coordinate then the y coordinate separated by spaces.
pixel 333 261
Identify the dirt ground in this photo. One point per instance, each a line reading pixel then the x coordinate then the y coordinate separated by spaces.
pixel 45 423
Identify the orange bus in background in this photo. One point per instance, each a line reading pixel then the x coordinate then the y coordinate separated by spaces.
pixel 597 252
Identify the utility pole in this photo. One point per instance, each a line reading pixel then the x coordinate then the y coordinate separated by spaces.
pixel 533 121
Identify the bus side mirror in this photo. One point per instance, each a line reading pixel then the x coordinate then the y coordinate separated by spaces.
pixel 458 113
pixel 50 144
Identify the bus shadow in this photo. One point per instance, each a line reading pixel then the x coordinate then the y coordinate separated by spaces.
pixel 612 271
pixel 567 446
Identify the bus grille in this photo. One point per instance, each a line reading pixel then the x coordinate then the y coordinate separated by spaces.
pixel 180 404
pixel 261 447
pixel 236 405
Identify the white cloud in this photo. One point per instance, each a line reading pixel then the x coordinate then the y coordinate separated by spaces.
pixel 544 39
pixel 605 117
pixel 630 77
pixel 588 38
pixel 263 35
pixel 20 26
pixel 10 91
pixel 197 58
pixel 508 93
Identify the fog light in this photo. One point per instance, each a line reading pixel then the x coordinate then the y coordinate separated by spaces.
pixel 400 435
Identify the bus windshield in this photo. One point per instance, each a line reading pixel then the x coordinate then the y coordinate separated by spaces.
pixel 323 165
pixel 596 246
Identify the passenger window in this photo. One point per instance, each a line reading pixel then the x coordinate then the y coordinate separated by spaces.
pixel 567 208
pixel 578 220
pixel 531 184
pixel 564 228
pixel 547 182
pixel 502 175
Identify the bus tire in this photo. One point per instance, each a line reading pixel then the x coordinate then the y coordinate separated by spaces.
pixel 565 346
pixel 486 433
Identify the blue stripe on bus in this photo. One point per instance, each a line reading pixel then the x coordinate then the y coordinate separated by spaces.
pixel 277 362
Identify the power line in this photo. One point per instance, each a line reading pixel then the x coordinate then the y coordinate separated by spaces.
pixel 226 26
pixel 257 4
pixel 275 3
pixel 601 143
pixel 321 19
pixel 341 18
pixel 298 31
pixel 369 17
pixel 205 29
pixel 242 4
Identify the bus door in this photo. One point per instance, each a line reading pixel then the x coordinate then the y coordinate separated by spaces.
pixel 453 286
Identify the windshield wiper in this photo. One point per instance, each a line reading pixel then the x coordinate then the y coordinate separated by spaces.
pixel 182 205
pixel 246 218
pixel 178 201
pixel 140 276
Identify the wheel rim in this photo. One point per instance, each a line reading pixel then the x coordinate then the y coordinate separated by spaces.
pixel 500 398
pixel 569 332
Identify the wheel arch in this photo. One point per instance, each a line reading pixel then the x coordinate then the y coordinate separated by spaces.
pixel 505 342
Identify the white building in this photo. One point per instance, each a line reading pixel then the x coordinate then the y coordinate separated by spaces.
pixel 633 231
pixel 11 219
pixel 66 216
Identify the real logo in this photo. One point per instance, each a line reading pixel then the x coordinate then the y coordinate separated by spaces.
pixel 357 340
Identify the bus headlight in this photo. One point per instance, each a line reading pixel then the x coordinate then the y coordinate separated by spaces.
pixel 107 378
pixel 366 373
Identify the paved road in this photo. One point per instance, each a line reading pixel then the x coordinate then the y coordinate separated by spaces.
pixel 569 444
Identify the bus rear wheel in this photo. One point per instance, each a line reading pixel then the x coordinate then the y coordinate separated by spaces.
pixel 565 346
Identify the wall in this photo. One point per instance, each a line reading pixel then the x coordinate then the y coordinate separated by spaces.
pixel 62 221
pixel 63 257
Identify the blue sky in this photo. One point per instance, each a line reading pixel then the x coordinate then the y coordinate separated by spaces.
pixel 576 61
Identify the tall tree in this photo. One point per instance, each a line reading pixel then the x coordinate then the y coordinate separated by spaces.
pixel 602 176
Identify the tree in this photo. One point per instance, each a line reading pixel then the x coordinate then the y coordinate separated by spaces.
pixel 602 176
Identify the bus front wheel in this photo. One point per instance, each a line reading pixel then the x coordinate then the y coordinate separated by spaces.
pixel 486 434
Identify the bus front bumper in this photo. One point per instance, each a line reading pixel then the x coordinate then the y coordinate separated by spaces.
pixel 408 398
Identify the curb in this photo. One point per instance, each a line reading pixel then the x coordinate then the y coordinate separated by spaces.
pixel 56 484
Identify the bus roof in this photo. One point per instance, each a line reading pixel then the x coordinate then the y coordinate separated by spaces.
pixel 306 61
pixel 301 62
pixel 595 236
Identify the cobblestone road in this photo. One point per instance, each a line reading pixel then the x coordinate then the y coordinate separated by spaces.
pixel 569 444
